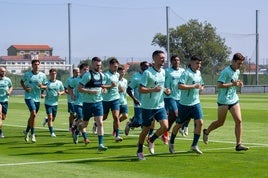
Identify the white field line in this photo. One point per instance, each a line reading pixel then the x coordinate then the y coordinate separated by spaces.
pixel 101 158
pixel 253 145
pixel 178 137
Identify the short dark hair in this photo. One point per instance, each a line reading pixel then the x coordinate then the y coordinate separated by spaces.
pixel 96 59
pixel 238 56
pixel 143 62
pixel 121 67
pixel 35 60
pixel 156 52
pixel 52 70
pixel 113 60
pixel 173 57
pixel 81 66
pixel 195 58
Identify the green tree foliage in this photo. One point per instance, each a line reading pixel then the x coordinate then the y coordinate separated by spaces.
pixel 105 63
pixel 134 68
pixel 200 39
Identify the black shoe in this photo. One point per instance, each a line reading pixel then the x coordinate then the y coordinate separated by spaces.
pixel 241 147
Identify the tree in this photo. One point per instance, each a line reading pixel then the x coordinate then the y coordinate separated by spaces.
pixel 105 63
pixel 195 38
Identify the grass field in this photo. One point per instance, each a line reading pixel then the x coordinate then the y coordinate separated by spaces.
pixel 59 157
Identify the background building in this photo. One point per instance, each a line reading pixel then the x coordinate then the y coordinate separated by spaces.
pixel 19 58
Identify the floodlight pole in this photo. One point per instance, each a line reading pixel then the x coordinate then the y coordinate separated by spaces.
pixel 168 47
pixel 257 49
pixel 69 34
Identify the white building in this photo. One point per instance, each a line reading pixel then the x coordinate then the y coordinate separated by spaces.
pixel 20 56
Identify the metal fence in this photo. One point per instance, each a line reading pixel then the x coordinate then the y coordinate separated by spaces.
pixel 212 89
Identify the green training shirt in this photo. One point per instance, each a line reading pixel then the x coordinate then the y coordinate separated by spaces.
pixel 190 97
pixel 150 79
pixel 228 95
pixel 171 81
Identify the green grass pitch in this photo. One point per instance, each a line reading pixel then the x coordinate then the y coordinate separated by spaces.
pixel 59 157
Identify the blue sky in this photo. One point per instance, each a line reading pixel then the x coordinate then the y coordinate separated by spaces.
pixel 125 28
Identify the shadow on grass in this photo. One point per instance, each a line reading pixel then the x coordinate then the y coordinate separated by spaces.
pixel 127 158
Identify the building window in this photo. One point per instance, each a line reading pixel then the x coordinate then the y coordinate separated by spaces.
pixel 46 53
pixel 13 71
pixel 22 53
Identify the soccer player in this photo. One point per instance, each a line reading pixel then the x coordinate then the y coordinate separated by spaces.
pixel 122 88
pixel 91 86
pixel 6 89
pixel 54 89
pixel 111 97
pixel 190 84
pixel 70 106
pixel 133 92
pixel 33 82
pixel 228 100
pixel 173 74
pixel 152 101
pixel 77 98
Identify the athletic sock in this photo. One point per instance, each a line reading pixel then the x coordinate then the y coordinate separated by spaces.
pixel 151 132
pixel 100 138
pixel 172 138
pixel 32 131
pixel 51 130
pixel 153 138
pixel 116 132
pixel 195 140
pixel 27 129
pixel 140 148
pixel 84 135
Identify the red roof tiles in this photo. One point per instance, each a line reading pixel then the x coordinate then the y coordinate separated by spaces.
pixel 31 47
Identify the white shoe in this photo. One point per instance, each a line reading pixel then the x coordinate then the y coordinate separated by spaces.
pixel 127 128
pixel 118 139
pixel 171 148
pixel 151 147
pixel 196 149
pixel 44 122
pixel 53 134
pixel 2 136
pixel 101 147
pixel 26 136
pixel 205 136
pixel 33 138
pixel 185 131
pixel 141 156
pixel 182 132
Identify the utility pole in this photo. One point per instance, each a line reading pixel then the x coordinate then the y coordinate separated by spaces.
pixel 69 35
pixel 257 49
pixel 168 50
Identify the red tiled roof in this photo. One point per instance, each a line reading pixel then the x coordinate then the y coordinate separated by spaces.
pixel 21 58
pixel 31 47
pixel 134 62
